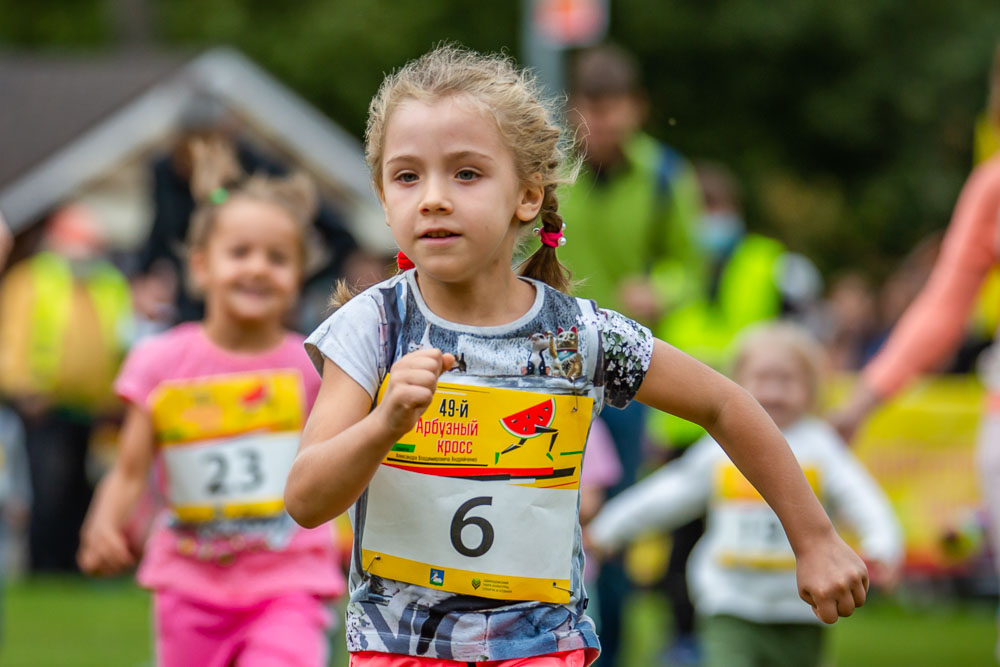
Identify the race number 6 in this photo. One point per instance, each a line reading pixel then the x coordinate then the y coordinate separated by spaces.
pixel 459 522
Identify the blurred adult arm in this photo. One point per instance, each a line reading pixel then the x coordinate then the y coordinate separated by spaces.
pixel 932 326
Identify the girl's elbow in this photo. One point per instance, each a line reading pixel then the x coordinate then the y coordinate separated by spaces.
pixel 299 509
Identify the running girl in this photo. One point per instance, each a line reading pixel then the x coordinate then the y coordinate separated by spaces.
pixel 742 571
pixel 457 395
pixel 220 404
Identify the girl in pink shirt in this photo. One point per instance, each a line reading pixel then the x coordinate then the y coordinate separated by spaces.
pixel 218 407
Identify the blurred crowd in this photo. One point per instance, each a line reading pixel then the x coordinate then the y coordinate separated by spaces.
pixel 660 236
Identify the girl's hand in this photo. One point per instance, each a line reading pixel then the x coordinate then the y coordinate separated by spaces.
pixel 412 381
pixel 831 578
pixel 104 549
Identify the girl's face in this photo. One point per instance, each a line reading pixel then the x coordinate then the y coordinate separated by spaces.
pixel 250 266
pixel 776 378
pixel 451 193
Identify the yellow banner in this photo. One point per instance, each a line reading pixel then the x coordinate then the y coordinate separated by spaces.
pixel 921 448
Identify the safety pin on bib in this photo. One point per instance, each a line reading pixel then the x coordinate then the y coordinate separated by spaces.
pixel 372 562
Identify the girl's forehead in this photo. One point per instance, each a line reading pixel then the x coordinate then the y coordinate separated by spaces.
pixel 771 355
pixel 246 216
pixel 458 117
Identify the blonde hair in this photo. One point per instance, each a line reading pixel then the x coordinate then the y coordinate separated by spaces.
pixel 793 339
pixel 526 123
pixel 217 179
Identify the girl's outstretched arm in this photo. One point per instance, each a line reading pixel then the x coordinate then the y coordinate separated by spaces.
pixel 344 440
pixel 103 545
pixel 831 577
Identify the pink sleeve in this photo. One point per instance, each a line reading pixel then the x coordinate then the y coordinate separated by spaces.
pixel 139 374
pixel 601 466
pixel 934 323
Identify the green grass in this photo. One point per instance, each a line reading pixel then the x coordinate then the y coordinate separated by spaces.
pixel 71 621
pixel 75 622
pixel 884 633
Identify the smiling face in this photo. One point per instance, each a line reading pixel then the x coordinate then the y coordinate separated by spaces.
pixel 778 379
pixel 251 263
pixel 451 193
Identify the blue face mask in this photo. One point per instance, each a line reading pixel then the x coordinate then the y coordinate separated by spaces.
pixel 718 233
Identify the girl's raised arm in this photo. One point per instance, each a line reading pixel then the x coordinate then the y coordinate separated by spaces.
pixel 831 577
pixel 344 440
pixel 103 544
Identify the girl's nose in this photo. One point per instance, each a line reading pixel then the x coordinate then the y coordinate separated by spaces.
pixel 435 199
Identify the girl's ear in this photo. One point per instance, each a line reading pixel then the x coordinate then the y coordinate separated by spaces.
pixel 530 202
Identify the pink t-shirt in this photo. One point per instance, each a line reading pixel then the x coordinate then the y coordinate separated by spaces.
pixel 226 427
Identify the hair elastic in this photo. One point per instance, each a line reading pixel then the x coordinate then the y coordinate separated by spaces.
pixel 403 262
pixel 218 195
pixel 551 239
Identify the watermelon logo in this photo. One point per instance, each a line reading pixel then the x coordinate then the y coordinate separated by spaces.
pixel 530 423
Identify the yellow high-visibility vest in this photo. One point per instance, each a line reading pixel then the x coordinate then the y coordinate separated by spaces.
pixel 707 328
pixel 43 291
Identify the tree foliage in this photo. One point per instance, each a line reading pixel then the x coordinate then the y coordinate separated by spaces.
pixel 850 123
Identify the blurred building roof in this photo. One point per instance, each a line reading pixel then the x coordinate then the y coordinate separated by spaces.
pixel 52 100
pixel 66 120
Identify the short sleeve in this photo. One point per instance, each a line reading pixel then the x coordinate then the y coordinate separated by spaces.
pixel 349 338
pixel 628 348
pixel 140 373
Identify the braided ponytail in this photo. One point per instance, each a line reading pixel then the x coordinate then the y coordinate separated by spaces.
pixel 543 264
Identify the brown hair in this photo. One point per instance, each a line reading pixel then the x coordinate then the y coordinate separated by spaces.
pixel 217 179
pixel 605 70
pixel 527 125
pixel 794 339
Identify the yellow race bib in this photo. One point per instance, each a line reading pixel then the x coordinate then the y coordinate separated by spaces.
pixel 481 496
pixel 228 442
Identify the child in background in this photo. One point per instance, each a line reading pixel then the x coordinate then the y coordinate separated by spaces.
pixel 219 406
pixel 457 395
pixel 742 571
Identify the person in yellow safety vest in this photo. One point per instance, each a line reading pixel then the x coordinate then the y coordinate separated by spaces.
pixel 754 278
pixel 65 317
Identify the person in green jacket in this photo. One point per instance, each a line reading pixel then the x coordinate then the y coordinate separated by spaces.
pixel 633 206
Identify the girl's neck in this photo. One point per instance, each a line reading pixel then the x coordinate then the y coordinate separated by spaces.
pixel 484 301
pixel 242 337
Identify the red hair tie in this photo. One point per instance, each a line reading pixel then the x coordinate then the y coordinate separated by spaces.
pixel 551 239
pixel 403 262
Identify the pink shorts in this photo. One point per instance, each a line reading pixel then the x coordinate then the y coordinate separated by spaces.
pixel 579 658
pixel 284 631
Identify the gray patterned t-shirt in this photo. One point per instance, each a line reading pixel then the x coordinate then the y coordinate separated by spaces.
pixel 598 353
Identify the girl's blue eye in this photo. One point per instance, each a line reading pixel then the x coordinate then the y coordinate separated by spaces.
pixel 407 177
pixel 466 175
